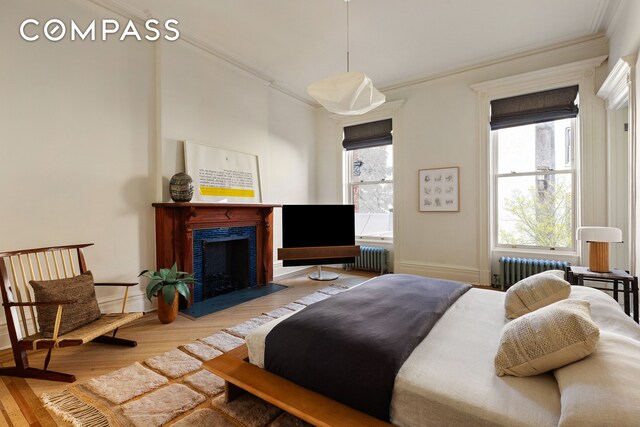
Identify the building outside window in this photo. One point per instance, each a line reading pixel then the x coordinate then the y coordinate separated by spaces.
pixel 534 170
pixel 534 181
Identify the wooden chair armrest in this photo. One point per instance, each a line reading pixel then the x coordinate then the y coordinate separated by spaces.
pixel 56 327
pixel 116 284
pixel 39 304
pixel 126 291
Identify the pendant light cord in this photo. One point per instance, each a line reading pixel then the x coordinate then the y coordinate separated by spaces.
pixel 347 1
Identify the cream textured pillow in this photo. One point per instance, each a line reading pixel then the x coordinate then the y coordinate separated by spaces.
pixel 548 338
pixel 534 292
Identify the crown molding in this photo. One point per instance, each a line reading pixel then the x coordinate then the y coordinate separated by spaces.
pixel 606 11
pixel 126 11
pixel 552 74
pixel 599 37
pixel 613 15
pixel 615 89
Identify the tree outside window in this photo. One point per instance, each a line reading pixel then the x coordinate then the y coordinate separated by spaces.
pixel 534 185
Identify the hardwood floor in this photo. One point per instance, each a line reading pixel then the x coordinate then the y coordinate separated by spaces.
pixel 19 402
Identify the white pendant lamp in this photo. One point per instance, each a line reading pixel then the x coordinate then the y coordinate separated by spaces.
pixel 349 93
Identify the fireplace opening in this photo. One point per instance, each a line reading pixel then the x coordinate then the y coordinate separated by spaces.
pixel 225 265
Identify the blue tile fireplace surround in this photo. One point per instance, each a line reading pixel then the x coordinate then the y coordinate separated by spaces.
pixel 244 230
pixel 226 236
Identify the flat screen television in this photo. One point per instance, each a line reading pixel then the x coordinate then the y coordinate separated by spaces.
pixel 317 225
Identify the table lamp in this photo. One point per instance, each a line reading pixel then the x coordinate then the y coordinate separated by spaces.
pixel 599 239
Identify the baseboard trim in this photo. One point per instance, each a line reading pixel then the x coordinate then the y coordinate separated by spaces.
pixel 138 302
pixel 439 271
pixel 280 272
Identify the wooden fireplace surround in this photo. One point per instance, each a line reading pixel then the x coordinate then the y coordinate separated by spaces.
pixel 175 223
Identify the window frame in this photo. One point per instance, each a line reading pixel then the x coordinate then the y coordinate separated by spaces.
pixel 388 110
pixel 350 184
pixel 495 176
pixel 588 197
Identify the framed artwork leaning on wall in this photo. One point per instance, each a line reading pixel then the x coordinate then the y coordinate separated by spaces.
pixel 439 189
pixel 222 176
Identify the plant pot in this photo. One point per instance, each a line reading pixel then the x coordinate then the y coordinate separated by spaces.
pixel 167 313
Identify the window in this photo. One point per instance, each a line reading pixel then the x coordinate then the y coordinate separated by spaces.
pixel 534 185
pixel 534 175
pixel 369 162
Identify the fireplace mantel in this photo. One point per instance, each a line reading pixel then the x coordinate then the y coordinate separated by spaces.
pixel 175 223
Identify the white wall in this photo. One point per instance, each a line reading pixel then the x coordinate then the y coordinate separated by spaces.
pixel 78 145
pixel 204 99
pixel 292 174
pixel 90 133
pixel 635 175
pixel 624 36
pixel 438 128
pixel 328 158
pixel 618 170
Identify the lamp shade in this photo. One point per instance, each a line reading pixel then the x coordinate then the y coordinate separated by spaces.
pixel 599 234
pixel 350 93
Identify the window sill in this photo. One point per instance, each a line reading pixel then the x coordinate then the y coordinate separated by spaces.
pixel 561 255
pixel 379 240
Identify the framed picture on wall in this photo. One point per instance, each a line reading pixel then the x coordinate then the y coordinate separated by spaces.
pixel 222 176
pixel 439 189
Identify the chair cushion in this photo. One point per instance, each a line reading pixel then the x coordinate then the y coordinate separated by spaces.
pixel 106 323
pixel 534 292
pixel 79 288
pixel 548 338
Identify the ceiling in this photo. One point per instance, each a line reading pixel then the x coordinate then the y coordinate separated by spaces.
pixel 292 43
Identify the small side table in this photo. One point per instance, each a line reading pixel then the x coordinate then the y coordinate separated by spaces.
pixel 576 275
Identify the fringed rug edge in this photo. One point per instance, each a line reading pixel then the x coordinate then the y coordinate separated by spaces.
pixel 75 410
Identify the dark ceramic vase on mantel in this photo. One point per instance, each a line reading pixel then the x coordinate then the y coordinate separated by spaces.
pixel 181 187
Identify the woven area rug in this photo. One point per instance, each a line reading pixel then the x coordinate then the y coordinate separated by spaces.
pixel 173 389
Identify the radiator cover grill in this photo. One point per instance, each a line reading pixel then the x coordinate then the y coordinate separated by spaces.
pixel 512 270
pixel 371 258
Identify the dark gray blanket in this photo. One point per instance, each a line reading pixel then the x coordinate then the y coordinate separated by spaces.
pixel 351 346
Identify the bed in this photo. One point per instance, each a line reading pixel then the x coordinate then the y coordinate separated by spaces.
pixel 449 378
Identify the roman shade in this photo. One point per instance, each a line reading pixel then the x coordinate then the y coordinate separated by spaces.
pixel 534 108
pixel 367 135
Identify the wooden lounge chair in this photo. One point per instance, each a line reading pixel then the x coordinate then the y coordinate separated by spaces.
pixel 57 262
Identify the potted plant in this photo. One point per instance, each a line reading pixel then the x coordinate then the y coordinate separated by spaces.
pixel 170 283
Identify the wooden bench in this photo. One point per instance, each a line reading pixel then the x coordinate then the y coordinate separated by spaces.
pixel 56 262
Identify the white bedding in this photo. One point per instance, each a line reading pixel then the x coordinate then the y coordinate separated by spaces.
pixel 449 379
